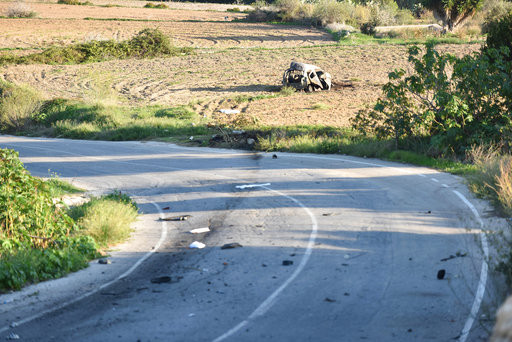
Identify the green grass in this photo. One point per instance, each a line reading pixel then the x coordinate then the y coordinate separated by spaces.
pixel 58 187
pixel 363 39
pixel 148 43
pixel 152 5
pixel 107 219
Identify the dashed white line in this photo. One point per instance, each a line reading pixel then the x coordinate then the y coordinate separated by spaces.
pixel 434 180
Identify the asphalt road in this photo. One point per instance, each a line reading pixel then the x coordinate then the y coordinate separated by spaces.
pixel 366 238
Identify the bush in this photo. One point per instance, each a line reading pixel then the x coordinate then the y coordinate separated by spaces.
pixel 368 28
pixel 20 10
pixel 18 105
pixel 74 2
pixel 38 241
pixel 500 34
pixel 494 10
pixel 106 219
pixel 148 43
pixel 152 5
pixel 332 11
pixel 454 109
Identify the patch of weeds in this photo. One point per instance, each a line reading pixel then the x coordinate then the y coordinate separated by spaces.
pixel 58 187
pixel 320 106
pixel 18 106
pixel 148 43
pixel 152 5
pixel 75 2
pixel 107 219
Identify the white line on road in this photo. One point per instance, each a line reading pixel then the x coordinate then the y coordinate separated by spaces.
pixel 483 273
pixel 267 304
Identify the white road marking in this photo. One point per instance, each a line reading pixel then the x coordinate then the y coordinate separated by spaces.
pixel 267 304
pixel 434 180
pixel 445 186
pixel 163 236
pixel 249 186
pixel 483 273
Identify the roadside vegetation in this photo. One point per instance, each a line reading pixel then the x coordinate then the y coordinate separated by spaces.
pixel 40 240
pixel 148 43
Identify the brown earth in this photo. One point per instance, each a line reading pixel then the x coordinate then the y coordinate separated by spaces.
pixel 216 77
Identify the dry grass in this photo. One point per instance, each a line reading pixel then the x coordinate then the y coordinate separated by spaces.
pixel 20 9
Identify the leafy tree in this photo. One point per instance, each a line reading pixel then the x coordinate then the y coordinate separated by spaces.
pixel 453 13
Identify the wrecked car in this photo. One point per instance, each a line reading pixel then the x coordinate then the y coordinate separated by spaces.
pixel 307 77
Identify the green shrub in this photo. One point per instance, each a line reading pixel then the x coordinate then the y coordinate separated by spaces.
pixel 75 2
pixel 182 113
pixel 368 28
pixel 106 219
pixel 152 5
pixel 148 43
pixel 500 34
pixel 332 11
pixel 234 10
pixel 454 109
pixel 38 241
pixel 18 106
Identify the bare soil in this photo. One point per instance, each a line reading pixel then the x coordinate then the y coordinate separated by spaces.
pixel 235 61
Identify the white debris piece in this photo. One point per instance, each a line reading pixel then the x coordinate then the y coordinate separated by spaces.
pixel 200 230
pixel 245 186
pixel 197 244
pixel 229 111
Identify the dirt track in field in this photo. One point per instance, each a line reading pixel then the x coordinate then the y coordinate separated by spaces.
pixel 223 69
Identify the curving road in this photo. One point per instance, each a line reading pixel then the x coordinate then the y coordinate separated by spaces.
pixel 366 239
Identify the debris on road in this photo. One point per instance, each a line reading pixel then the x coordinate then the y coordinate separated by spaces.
pixel 166 208
pixel 104 261
pixel 274 156
pixel 287 262
pixel 200 230
pixel 176 218
pixel 329 300
pixel 13 336
pixel 229 111
pixel 160 280
pixel 249 186
pixel 457 255
pixel 197 244
pixel 231 245
pixel 441 274
pixel 346 294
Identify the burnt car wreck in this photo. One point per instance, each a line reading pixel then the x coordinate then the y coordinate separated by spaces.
pixel 306 77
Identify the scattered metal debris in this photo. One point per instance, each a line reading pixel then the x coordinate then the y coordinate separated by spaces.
pixel 197 244
pixel 457 255
pixel 200 230
pixel 104 261
pixel 160 280
pixel 13 336
pixel 441 274
pixel 287 262
pixel 329 300
pixel 274 156
pixel 231 245
pixel 176 218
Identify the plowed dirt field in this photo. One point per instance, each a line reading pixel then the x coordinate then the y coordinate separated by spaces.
pixel 233 59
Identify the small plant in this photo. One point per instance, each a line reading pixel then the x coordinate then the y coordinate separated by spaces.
pixel 234 10
pixel 18 106
pixel 20 10
pixel 152 5
pixel 75 2
pixel 107 219
pixel 368 28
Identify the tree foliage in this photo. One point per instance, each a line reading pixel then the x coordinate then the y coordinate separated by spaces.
pixel 453 13
pixel 454 102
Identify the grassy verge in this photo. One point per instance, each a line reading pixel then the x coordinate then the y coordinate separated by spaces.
pixel 148 43
pixel 40 241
